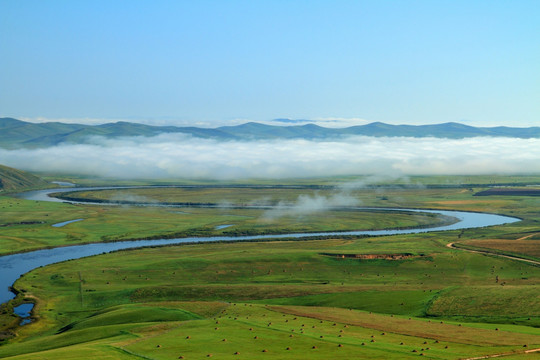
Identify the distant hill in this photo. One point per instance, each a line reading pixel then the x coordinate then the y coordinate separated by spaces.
pixel 13 179
pixel 19 134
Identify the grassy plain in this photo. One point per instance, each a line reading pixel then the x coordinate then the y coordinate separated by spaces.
pixel 245 300
pixel 27 225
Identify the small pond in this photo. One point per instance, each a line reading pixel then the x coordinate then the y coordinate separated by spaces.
pixel 63 183
pixel 23 311
pixel 61 224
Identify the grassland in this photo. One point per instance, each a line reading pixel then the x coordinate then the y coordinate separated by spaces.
pixel 27 225
pixel 282 299
pixel 412 181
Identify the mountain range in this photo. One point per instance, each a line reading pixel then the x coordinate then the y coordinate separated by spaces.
pixel 20 134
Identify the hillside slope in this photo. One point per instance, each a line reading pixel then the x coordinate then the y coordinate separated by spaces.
pixel 13 179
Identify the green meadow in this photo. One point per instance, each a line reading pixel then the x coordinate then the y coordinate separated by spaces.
pixel 27 225
pixel 382 297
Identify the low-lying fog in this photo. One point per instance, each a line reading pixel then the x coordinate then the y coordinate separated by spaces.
pixel 180 156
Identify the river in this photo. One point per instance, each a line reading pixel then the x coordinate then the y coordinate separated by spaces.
pixel 13 266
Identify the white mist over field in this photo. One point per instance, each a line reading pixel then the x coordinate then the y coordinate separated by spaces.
pixel 180 156
pixel 306 204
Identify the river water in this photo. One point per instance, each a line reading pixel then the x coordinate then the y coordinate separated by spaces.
pixel 13 266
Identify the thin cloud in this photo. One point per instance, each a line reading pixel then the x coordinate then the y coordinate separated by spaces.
pixel 331 122
pixel 84 121
pixel 305 205
pixel 154 121
pixel 180 156
pixel 340 122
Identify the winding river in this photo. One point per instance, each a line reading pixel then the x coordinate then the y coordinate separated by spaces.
pixel 13 266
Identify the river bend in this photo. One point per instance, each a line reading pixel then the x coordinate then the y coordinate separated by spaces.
pixel 13 266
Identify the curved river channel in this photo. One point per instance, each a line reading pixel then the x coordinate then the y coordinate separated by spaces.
pixel 13 266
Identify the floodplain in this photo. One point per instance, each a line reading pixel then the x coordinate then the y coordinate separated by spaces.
pixel 344 297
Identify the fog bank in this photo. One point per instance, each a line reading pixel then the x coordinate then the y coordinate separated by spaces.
pixel 180 156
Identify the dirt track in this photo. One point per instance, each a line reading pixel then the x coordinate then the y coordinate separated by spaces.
pixel 504 354
pixel 487 252
pixel 527 236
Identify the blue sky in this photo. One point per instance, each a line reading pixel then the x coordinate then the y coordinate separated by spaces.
pixel 223 62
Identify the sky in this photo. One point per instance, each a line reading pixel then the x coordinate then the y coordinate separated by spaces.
pixel 212 63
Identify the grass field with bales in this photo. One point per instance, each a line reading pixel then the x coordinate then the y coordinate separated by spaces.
pixel 441 295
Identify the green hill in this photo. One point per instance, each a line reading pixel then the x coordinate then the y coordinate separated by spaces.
pixel 19 134
pixel 14 133
pixel 13 179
